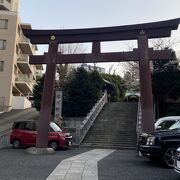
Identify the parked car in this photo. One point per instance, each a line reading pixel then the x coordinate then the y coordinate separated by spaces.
pixel 177 161
pixel 161 145
pixel 24 133
pixel 166 122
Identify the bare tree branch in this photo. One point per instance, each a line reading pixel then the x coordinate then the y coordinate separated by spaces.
pixel 63 70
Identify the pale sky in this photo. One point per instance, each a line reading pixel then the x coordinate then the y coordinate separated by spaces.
pixel 68 14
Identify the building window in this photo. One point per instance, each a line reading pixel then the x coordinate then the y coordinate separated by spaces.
pixel 3 24
pixel 2 44
pixel 1 65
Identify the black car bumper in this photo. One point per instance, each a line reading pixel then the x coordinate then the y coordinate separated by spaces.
pixel 150 151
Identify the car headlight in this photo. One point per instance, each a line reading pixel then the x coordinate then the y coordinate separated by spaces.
pixel 62 135
pixel 150 140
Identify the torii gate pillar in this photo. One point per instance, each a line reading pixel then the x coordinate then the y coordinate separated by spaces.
pixel 47 97
pixel 147 121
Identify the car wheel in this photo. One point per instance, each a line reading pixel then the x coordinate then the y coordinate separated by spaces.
pixel 53 145
pixel 16 144
pixel 168 156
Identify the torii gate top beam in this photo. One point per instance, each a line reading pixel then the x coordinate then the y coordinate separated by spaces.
pixel 129 32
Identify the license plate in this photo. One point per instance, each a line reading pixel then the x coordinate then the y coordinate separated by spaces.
pixel 70 143
pixel 178 164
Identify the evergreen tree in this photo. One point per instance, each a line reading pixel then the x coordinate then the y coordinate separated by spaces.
pixel 81 93
pixel 165 83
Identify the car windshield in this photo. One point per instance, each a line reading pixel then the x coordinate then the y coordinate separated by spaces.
pixel 55 127
pixel 175 126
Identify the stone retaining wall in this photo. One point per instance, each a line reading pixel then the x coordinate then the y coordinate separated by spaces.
pixel 5 140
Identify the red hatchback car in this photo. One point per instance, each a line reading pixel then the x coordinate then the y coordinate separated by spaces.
pixel 24 133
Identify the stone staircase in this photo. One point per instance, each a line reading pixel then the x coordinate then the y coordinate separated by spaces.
pixel 114 128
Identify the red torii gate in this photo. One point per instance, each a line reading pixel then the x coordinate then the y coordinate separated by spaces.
pixel 140 32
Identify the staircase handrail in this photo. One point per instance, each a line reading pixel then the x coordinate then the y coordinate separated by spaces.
pixel 90 118
pixel 139 117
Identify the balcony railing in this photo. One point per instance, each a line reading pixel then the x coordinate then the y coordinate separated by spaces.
pixel 4 1
pixel 23 78
pixel 24 58
pixel 26 46
pixel 25 67
pixel 5 5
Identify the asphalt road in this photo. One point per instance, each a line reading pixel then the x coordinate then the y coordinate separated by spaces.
pixel 127 165
pixel 120 165
pixel 16 164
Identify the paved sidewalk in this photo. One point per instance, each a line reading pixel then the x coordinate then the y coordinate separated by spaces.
pixel 80 167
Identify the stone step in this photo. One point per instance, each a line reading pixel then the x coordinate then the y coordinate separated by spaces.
pixel 112 135
pixel 109 143
pixel 111 132
pixel 115 127
pixel 108 146
pixel 111 139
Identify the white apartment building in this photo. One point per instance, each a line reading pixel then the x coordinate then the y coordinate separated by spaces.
pixel 17 76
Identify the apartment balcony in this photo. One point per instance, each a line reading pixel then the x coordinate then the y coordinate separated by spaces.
pixel 26 46
pixel 5 5
pixel 24 84
pixel 23 64
pixel 15 90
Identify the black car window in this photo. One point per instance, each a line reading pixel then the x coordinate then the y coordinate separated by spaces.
pixel 18 125
pixel 30 126
pixel 175 125
pixel 167 124
pixel 50 129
